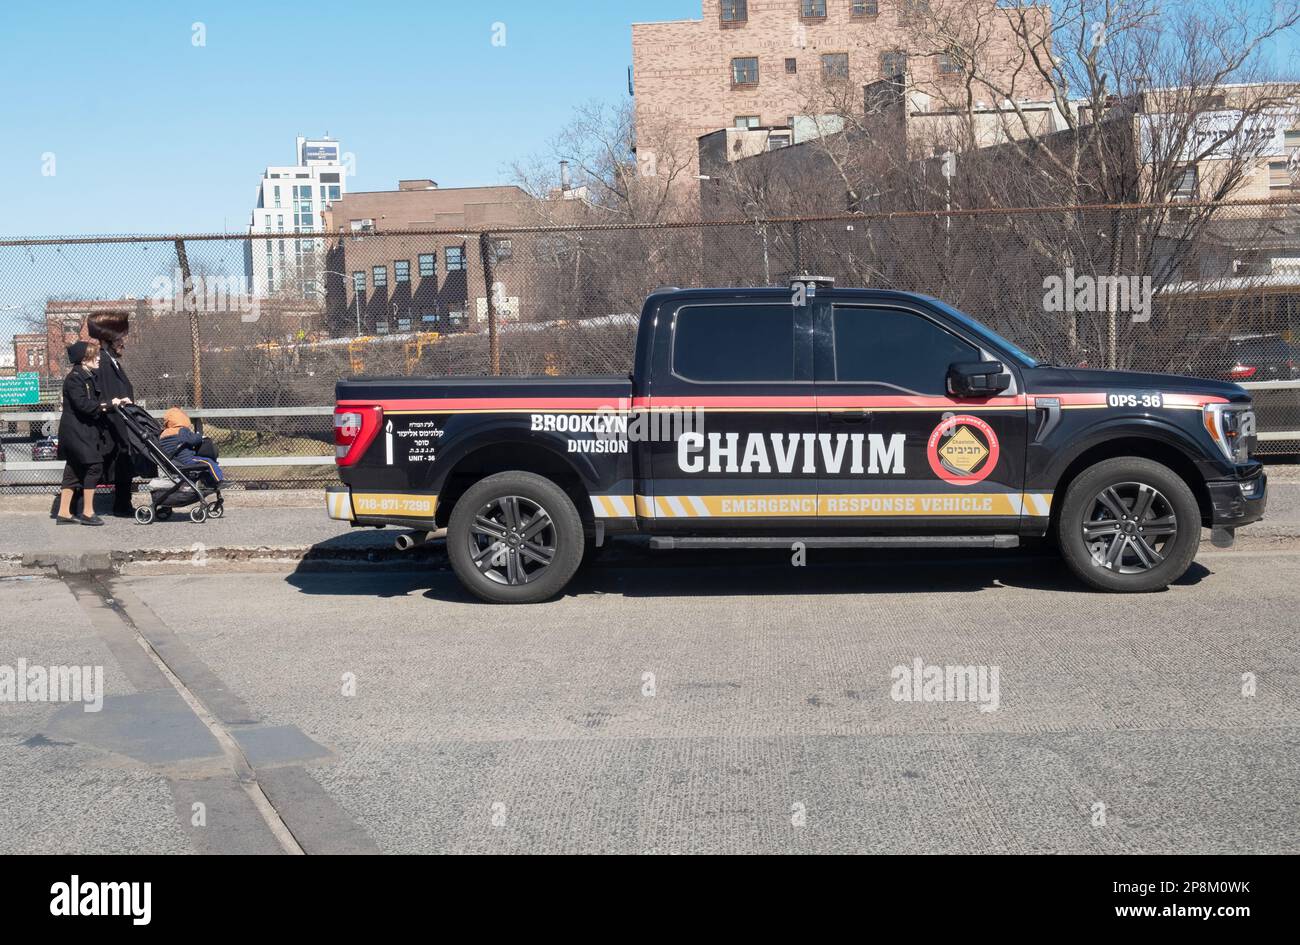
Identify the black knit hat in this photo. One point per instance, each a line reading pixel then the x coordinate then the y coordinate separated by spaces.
pixel 77 351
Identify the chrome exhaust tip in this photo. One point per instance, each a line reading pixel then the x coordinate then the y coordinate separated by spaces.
pixel 408 541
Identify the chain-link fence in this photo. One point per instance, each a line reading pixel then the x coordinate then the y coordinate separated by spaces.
pixel 250 334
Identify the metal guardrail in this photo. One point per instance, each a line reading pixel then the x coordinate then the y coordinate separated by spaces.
pixel 323 459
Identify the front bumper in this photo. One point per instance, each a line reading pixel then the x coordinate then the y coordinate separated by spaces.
pixel 1240 500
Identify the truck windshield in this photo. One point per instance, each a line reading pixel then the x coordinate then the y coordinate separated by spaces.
pixel 985 334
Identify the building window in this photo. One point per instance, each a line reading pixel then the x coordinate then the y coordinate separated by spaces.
pixel 502 249
pixel 744 71
pixel 792 66
pixel 835 66
pixel 747 121
pixel 455 258
pixel 864 7
pixel 358 282
pixel 735 11
pixel 1279 175
pixel 428 265
pixel 277 195
pixel 893 64
pixel 1186 182
pixel 950 63
pixel 913 7
pixel 1291 140
pixel 813 9
pixel 778 139
pixel 379 275
pixel 402 270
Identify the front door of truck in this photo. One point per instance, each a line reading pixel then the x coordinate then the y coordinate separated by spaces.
pixel 734 421
pixel 917 459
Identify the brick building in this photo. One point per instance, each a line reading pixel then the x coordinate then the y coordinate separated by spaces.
pixel 764 63
pixel 31 355
pixel 382 282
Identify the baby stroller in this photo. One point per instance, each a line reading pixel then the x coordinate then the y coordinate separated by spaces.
pixel 196 483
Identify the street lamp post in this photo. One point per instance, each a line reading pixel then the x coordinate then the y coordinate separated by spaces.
pixel 356 295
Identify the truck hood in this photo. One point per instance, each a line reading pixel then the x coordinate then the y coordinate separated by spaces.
pixel 1045 380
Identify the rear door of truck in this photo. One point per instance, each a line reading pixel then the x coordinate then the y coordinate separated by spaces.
pixel 727 370
pixel 932 463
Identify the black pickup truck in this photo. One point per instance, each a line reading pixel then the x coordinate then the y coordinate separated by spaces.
pixel 830 416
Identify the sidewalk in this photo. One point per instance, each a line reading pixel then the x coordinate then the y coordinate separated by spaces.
pixel 291 522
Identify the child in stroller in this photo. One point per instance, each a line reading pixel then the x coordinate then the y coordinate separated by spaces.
pixel 187 462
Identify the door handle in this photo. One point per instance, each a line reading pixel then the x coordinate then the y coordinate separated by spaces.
pixel 850 416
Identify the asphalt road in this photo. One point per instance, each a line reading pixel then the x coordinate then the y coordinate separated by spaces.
pixel 670 703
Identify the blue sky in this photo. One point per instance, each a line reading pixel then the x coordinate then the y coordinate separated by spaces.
pixel 153 134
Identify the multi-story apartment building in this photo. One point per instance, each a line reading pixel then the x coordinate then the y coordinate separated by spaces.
pixel 292 198
pixel 380 281
pixel 765 63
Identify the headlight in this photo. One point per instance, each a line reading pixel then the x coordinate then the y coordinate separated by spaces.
pixel 1232 427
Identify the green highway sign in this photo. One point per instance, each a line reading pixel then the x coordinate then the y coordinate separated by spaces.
pixel 20 389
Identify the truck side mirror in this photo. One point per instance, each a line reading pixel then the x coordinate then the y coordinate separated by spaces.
pixel 977 378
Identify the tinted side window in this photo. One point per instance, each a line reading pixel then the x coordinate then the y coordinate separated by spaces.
pixel 887 346
pixel 734 343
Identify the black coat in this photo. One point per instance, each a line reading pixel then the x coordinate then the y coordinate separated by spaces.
pixel 113 383
pixel 84 435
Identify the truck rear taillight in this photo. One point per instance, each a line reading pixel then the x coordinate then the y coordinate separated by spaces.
pixel 355 429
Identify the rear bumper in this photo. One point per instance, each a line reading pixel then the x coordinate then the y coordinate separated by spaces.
pixel 345 504
pixel 1240 500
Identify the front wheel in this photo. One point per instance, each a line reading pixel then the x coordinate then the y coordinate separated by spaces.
pixel 515 538
pixel 1129 525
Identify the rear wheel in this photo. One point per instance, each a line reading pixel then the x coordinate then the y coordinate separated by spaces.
pixel 515 538
pixel 1129 525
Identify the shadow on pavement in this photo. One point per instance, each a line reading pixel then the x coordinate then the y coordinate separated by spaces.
pixel 631 569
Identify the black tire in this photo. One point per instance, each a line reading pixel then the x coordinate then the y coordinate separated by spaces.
pixel 1142 526
pixel 514 567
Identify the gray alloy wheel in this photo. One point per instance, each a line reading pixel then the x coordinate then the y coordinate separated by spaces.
pixel 515 538
pixel 512 540
pixel 1130 527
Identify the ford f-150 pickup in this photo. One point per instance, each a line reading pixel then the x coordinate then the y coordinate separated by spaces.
pixel 835 417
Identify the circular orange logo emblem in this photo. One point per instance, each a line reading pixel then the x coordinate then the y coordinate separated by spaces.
pixel 963 450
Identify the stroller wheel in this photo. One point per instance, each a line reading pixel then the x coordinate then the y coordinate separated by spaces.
pixel 217 511
pixel 199 513
pixel 163 513
pixel 144 515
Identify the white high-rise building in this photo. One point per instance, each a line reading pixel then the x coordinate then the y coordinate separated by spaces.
pixel 292 198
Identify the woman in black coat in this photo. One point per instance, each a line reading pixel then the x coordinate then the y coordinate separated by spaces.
pixel 110 329
pixel 84 437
